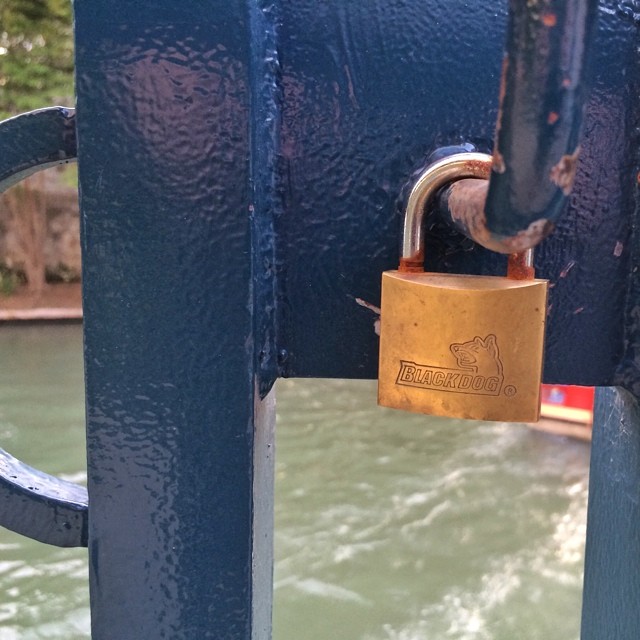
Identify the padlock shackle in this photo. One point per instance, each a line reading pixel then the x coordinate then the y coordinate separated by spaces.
pixel 450 169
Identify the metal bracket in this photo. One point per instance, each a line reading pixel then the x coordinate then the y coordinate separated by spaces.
pixel 34 503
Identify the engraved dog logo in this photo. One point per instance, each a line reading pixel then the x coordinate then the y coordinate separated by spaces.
pixel 479 370
pixel 479 355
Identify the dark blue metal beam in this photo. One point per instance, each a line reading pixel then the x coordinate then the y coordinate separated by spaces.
pixel 612 559
pixel 356 126
pixel 266 203
pixel 178 315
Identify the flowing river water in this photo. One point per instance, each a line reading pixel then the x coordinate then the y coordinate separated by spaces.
pixel 388 526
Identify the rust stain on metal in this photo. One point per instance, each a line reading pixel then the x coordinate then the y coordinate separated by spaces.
pixel 563 174
pixel 498 161
pixel 478 168
pixel 535 233
pixel 518 269
pixel 414 264
pixel 467 200
pixel 499 165
pixel 503 82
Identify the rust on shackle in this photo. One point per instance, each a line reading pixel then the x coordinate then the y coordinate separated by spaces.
pixel 468 172
pixel 439 174
pixel 414 264
pixel 520 266
pixel 463 204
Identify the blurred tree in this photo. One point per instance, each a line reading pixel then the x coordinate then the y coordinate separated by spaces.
pixel 36 54
pixel 23 211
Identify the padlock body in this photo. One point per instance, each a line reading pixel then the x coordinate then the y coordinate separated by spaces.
pixel 462 346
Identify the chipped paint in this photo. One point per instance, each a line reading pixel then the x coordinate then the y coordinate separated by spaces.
pixel 563 174
pixel 543 89
pixel 466 208
pixel 499 165
pixel 498 162
pixel 567 268
pixel 376 311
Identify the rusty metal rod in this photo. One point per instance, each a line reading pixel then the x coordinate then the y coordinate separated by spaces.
pixel 537 134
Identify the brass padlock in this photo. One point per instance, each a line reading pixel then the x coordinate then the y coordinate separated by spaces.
pixel 462 346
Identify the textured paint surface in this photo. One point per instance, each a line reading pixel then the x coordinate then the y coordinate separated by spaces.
pixel 368 93
pixel 612 557
pixel 164 136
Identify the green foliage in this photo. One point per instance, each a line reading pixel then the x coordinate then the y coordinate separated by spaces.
pixel 68 175
pixel 62 273
pixel 36 54
pixel 10 280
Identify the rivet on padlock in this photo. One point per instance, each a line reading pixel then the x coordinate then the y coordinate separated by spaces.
pixel 462 346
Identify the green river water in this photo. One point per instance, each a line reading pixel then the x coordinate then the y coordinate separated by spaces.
pixel 388 526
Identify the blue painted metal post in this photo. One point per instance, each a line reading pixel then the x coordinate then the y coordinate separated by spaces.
pixel 612 562
pixel 180 431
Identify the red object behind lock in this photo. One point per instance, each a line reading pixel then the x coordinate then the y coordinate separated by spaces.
pixel 567 402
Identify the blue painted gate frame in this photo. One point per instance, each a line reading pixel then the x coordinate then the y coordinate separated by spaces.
pixel 240 172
